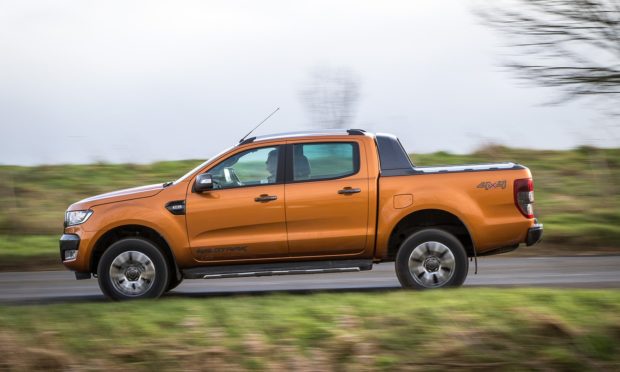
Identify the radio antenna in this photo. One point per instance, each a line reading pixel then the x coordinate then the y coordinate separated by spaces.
pixel 259 124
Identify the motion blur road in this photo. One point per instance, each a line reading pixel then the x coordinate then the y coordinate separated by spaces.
pixel 568 272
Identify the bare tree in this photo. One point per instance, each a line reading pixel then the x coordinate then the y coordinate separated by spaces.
pixel 573 45
pixel 330 97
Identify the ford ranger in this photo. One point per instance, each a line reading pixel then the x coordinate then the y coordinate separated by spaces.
pixel 305 202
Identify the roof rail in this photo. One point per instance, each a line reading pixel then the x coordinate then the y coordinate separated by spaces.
pixel 322 132
pixel 356 132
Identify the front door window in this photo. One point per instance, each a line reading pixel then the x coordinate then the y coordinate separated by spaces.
pixel 248 168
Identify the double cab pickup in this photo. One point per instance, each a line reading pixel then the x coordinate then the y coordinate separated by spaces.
pixel 306 202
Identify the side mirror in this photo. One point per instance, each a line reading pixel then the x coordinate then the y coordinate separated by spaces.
pixel 204 182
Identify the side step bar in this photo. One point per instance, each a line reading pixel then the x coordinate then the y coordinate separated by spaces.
pixel 279 268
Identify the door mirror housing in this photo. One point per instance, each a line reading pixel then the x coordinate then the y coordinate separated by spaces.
pixel 204 182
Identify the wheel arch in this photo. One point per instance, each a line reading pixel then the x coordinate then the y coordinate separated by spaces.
pixel 134 230
pixel 429 218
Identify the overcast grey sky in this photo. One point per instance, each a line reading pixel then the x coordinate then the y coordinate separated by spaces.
pixel 137 81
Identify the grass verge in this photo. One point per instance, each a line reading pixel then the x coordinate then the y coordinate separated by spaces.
pixel 577 197
pixel 30 252
pixel 516 329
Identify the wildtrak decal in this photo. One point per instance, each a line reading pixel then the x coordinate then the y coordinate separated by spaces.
pixel 209 251
pixel 492 185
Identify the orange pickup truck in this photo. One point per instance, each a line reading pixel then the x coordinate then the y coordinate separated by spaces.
pixel 306 202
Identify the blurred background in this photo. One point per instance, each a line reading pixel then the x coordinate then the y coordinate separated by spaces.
pixel 101 95
pixel 98 96
pixel 113 81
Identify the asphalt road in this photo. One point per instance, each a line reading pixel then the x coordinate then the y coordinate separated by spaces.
pixel 568 272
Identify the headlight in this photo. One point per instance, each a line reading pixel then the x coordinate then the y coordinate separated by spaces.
pixel 76 217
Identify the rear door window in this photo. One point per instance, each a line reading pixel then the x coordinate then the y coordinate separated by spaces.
pixel 322 161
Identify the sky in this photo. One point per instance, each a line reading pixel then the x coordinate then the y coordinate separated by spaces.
pixel 141 81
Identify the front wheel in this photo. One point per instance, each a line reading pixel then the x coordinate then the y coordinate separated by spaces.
pixel 174 282
pixel 431 258
pixel 132 268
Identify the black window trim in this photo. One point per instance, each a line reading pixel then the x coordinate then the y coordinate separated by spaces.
pixel 289 161
pixel 281 167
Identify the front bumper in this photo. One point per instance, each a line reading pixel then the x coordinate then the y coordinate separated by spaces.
pixel 534 234
pixel 68 242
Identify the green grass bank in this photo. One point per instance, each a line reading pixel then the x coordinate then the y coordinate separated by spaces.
pixel 473 329
pixel 577 196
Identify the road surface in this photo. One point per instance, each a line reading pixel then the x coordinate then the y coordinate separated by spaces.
pixel 569 272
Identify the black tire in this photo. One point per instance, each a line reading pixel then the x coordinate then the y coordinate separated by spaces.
pixel 431 258
pixel 133 268
pixel 174 282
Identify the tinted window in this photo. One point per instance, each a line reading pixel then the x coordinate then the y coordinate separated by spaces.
pixel 315 161
pixel 252 167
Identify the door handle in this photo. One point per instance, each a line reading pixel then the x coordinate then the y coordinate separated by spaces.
pixel 349 190
pixel 265 198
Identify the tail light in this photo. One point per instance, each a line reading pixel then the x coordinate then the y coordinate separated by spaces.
pixel 524 196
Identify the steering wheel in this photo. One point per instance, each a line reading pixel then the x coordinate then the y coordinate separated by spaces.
pixel 231 177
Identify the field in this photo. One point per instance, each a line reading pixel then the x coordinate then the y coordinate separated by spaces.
pixel 483 329
pixel 577 197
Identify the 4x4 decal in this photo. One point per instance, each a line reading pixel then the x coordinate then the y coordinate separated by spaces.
pixel 492 185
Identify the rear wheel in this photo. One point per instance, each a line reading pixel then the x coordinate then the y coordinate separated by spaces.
pixel 132 268
pixel 431 258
